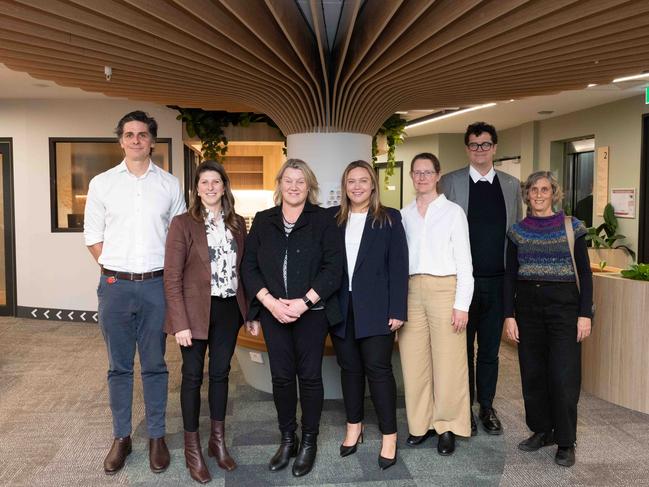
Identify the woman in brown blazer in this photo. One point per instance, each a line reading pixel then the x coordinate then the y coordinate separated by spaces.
pixel 206 306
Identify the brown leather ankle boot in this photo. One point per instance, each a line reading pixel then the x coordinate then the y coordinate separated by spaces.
pixel 217 449
pixel 194 458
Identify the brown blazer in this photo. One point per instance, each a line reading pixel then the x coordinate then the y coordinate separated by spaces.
pixel 187 276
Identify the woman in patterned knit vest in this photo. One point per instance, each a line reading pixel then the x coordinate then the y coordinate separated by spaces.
pixel 548 307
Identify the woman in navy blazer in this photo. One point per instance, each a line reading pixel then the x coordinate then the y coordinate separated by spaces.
pixel 373 298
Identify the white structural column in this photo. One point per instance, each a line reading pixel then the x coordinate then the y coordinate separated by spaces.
pixel 328 154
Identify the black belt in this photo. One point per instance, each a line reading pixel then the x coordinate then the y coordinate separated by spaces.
pixel 132 276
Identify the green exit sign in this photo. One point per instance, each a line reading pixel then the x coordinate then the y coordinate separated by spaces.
pixel 646 95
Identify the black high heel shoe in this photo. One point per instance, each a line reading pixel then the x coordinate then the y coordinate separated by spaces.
pixel 349 450
pixel 385 463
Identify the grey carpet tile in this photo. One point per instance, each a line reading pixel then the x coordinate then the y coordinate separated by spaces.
pixel 55 429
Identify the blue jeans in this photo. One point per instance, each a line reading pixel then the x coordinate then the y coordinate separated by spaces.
pixel 131 313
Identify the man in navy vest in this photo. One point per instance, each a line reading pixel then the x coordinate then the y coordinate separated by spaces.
pixel 492 202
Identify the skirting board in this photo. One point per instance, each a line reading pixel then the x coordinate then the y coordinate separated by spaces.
pixel 53 314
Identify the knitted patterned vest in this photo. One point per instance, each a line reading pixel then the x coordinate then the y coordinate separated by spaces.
pixel 543 252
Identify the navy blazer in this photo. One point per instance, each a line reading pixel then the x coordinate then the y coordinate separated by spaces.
pixel 380 278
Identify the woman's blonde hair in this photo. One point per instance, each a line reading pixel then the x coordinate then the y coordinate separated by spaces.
pixel 309 177
pixel 376 209
pixel 557 192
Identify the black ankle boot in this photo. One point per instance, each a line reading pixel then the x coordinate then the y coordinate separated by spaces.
pixel 287 448
pixel 306 455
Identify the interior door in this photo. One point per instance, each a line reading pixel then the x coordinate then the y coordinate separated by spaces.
pixel 7 247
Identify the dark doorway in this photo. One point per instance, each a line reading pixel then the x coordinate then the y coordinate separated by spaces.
pixel 578 181
pixel 643 214
pixel 191 161
pixel 7 245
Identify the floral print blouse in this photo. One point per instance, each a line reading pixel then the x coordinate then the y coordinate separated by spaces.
pixel 222 248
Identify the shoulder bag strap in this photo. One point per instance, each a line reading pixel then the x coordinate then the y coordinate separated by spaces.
pixel 570 233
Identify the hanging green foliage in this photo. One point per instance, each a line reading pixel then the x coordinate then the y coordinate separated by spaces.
pixel 394 129
pixel 209 127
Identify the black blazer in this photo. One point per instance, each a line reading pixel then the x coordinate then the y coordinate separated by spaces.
pixel 380 278
pixel 315 258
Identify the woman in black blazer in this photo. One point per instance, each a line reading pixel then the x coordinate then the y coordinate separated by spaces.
pixel 373 298
pixel 292 267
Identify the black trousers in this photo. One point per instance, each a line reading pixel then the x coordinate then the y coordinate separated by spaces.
pixel 486 316
pixel 371 357
pixel 549 356
pixel 225 321
pixel 296 349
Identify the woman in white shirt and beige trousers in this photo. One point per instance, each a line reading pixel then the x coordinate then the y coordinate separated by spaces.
pixel 432 343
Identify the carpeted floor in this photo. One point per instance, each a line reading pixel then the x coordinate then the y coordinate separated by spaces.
pixel 55 429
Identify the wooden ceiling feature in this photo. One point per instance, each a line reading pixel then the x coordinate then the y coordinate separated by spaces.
pixel 266 56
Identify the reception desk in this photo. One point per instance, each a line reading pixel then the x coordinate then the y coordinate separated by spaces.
pixel 615 358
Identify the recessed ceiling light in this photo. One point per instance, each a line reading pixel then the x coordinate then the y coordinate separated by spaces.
pixel 590 85
pixel 402 113
pixel 630 78
pixel 453 114
pixel 545 112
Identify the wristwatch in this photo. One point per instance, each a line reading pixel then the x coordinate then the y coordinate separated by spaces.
pixel 307 301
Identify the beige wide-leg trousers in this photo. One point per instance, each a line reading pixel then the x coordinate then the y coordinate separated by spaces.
pixel 434 359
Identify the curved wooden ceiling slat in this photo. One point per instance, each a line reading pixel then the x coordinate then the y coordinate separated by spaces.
pixel 263 55
pixel 502 53
pixel 270 34
pixel 297 32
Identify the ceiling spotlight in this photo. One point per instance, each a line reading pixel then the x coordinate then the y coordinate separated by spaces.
pixel 590 85
pixel 108 72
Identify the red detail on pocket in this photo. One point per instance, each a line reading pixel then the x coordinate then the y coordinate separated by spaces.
pixel 111 280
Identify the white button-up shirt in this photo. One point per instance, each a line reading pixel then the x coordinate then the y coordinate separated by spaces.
pixel 131 215
pixel 476 176
pixel 438 244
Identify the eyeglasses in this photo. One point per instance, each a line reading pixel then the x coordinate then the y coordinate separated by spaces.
pixel 544 191
pixel 474 146
pixel 423 174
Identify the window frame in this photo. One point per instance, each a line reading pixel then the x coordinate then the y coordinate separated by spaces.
pixel 52 141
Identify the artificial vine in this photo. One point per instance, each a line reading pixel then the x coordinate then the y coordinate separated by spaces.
pixel 209 127
pixel 394 129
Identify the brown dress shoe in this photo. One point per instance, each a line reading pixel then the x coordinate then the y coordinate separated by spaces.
pixel 158 455
pixel 116 457
pixel 194 458
pixel 216 447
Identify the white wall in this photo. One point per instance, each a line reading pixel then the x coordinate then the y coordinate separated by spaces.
pixel 55 270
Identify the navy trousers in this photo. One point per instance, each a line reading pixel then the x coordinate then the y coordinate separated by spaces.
pixel 369 357
pixel 486 316
pixel 296 349
pixel 225 321
pixel 131 316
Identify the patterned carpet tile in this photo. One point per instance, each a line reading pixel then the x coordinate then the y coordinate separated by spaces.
pixel 55 429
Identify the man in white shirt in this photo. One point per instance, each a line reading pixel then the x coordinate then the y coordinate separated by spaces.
pixel 492 202
pixel 128 211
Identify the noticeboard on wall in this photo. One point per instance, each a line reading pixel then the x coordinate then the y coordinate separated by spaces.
pixel 623 201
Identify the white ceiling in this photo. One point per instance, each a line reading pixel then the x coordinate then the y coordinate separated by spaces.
pixel 16 85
